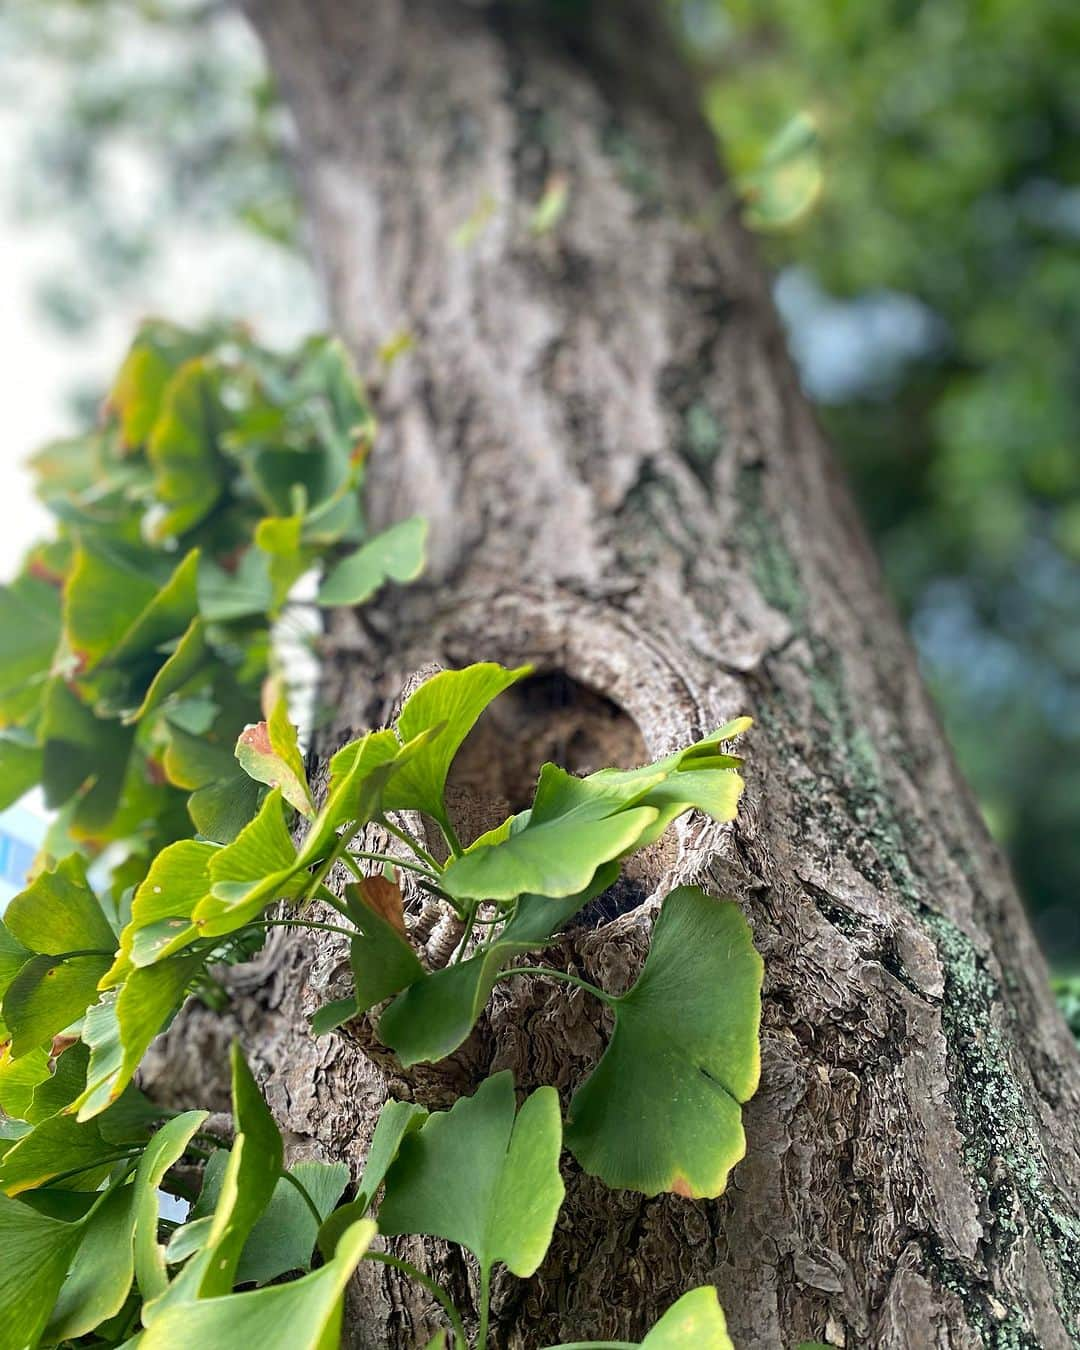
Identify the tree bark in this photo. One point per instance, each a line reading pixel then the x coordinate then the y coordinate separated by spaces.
pixel 626 487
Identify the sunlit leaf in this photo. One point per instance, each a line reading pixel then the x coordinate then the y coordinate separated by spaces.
pixel 59 912
pixel 260 865
pixel 164 1149
pixel 661 1111
pixel 477 1176
pixel 269 752
pixel 453 701
pixel 695 1322
pixel 395 555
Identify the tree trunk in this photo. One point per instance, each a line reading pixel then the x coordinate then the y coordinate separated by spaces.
pixel 626 487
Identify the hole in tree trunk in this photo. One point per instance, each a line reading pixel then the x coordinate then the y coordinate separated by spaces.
pixel 551 717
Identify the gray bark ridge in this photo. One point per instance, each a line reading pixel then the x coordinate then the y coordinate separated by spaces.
pixel 626 487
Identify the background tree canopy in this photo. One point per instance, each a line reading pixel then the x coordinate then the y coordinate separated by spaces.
pixel 913 170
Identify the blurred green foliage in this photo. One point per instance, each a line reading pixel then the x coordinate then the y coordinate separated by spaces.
pixel 913 168
pixel 930 228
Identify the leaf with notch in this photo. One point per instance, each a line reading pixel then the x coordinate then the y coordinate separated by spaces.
pixel 165 1149
pixel 479 1176
pixel 120 1028
pixel 661 1111
pixel 383 963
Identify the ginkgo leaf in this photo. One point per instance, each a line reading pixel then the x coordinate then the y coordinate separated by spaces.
pixel 161 910
pixel 30 626
pixel 56 1146
pixel 182 449
pixel 59 913
pixel 270 753
pixel 279 537
pixel 695 1322
pixel 47 995
pixel 554 853
pixel 451 701
pixel 303 1315
pixel 105 593
pixel 37 1252
pixel 382 960
pixel 396 1120
pixel 435 1014
pixel 398 554
pixel 99 1278
pixel 256 1175
pixel 478 1176
pixel 260 865
pixel 284 1235
pixel 662 1109
pixel 165 616
pixel 120 1028
pixel 185 661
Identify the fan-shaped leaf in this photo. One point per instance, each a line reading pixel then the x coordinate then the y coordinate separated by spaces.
pixel 661 1111
pixel 477 1176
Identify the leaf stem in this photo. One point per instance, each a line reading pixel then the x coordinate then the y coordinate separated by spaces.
pixel 389 858
pixel 411 842
pixel 435 1290
pixel 553 974
pixel 485 1307
pixel 307 923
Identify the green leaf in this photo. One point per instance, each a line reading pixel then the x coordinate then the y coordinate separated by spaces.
pixel 435 1014
pixel 189 656
pixel 182 449
pixel 47 995
pixel 477 1176
pixel 136 394
pixel 287 561
pixel 99 1279
pixel 57 1145
pixel 257 1174
pixel 303 1315
pixel 398 554
pixel 396 1120
pixel 284 1237
pixel 382 960
pixel 105 594
pixel 695 1322
pixel 225 596
pixel 120 1028
pixel 37 1253
pixel 270 753
pixel 58 913
pixel 661 1111
pixel 260 865
pixel 161 911
pixel 20 1079
pixel 453 701
pixel 168 613
pixel 20 768
pixel 29 632
pixel 556 856
pixel 164 1149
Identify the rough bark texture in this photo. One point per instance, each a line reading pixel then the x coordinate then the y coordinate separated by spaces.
pixel 626 487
